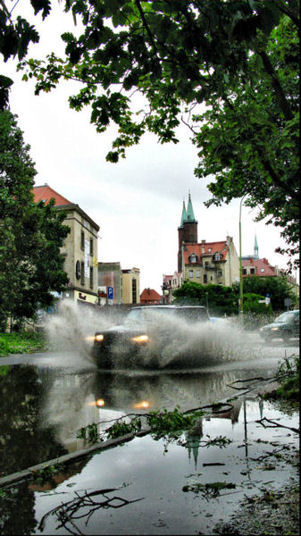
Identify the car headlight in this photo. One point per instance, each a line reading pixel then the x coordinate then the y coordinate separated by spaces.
pixel 140 339
pixel 275 329
pixel 144 404
pixel 99 337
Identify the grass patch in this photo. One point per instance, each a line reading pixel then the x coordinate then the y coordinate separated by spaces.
pixel 288 376
pixel 21 343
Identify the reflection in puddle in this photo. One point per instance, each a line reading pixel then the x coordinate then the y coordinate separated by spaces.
pixel 76 400
pixel 24 439
pixel 46 407
pixel 181 487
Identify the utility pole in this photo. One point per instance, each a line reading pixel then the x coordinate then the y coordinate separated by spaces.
pixel 241 307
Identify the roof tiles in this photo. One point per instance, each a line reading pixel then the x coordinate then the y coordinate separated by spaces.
pixel 205 248
pixel 45 193
pixel 262 267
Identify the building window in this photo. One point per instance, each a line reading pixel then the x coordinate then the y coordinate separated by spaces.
pixel 91 247
pixel 205 278
pixel 252 271
pixel 193 258
pixel 219 273
pixel 206 264
pixel 262 270
pixel 244 271
pixel 91 276
pixel 134 291
pixel 82 273
pixel 198 273
pixel 82 240
pixel 190 273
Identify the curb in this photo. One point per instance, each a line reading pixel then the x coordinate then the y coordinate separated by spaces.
pixel 110 443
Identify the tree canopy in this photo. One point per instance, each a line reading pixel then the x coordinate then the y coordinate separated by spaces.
pixel 277 287
pixel 217 298
pixel 229 70
pixel 31 265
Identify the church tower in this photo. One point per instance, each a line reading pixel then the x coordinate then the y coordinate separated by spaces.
pixel 188 230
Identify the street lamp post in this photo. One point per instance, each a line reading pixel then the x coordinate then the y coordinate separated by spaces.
pixel 241 308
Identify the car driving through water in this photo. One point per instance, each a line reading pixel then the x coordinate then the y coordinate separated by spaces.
pixel 285 326
pixel 146 333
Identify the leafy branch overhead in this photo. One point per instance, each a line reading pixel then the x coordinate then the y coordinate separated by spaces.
pixel 229 70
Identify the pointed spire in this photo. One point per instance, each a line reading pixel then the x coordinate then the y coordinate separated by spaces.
pixel 256 248
pixel 190 213
pixel 184 215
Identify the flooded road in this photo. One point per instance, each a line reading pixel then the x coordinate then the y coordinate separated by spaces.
pixel 146 486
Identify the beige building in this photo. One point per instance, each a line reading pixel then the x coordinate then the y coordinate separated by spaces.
pixel 211 262
pixel 79 249
pixel 206 262
pixel 130 286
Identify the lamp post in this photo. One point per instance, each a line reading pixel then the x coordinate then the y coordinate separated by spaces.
pixel 241 308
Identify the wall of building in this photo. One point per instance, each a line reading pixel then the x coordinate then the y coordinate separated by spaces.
pixel 131 279
pixel 80 249
pixel 110 275
pixel 232 267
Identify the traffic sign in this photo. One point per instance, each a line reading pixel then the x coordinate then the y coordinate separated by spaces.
pixel 110 293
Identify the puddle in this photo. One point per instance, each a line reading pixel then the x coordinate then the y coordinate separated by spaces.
pixel 146 486
pixel 46 407
pixel 151 486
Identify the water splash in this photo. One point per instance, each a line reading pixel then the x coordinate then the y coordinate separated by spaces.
pixel 73 327
pixel 174 341
pixel 180 342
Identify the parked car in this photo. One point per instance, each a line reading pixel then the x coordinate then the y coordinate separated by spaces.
pixel 285 326
pixel 145 331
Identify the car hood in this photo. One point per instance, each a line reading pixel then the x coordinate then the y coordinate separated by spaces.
pixel 124 329
pixel 275 325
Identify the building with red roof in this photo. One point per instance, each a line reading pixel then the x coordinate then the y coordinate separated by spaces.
pixel 150 296
pixel 205 262
pixel 260 267
pixel 80 247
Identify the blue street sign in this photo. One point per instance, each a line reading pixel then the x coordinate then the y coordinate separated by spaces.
pixel 110 293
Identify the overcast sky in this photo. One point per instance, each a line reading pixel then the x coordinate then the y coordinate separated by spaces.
pixel 137 202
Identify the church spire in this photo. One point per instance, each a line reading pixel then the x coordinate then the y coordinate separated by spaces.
pixel 256 249
pixel 184 215
pixel 190 213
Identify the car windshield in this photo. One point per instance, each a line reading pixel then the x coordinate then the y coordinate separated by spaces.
pixel 189 313
pixel 285 317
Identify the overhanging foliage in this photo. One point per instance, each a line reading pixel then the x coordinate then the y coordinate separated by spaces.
pixel 228 69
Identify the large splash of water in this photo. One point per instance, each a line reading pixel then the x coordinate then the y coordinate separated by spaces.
pixel 174 340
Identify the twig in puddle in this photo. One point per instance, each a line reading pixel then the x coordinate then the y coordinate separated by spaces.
pixel 274 424
pixel 67 512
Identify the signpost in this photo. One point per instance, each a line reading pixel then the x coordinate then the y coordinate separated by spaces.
pixel 110 293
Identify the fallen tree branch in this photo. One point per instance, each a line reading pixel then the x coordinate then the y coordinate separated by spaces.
pixel 274 424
